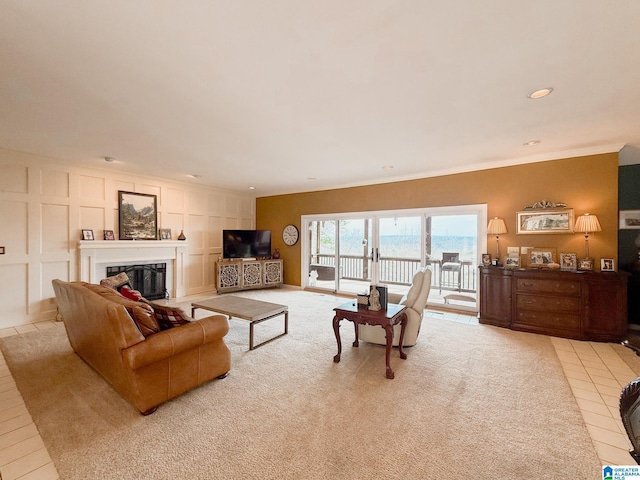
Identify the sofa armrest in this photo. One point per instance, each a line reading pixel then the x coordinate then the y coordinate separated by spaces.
pixel 168 343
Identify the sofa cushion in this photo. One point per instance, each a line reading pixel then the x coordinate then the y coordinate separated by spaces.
pixel 169 317
pixel 115 281
pixel 141 313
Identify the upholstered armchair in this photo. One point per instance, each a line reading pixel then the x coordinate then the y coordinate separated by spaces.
pixel 415 300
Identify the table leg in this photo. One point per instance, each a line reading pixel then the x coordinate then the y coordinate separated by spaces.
pixel 401 342
pixel 389 334
pixel 356 342
pixel 336 330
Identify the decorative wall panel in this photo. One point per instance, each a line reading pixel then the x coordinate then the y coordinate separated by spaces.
pixel 174 201
pixel 92 187
pixel 55 228
pixel 14 179
pixel 14 221
pixel 54 183
pixel 13 295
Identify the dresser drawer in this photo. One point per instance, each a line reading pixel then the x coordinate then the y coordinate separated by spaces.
pixel 548 320
pixel 542 303
pixel 561 287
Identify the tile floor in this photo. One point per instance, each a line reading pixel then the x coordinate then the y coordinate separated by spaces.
pixel 596 372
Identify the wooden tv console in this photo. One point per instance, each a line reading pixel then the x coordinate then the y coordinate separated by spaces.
pixel 577 305
pixel 234 275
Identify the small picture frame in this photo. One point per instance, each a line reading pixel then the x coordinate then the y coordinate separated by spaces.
pixel 108 235
pixel 586 264
pixel 486 259
pixel 165 234
pixel 629 219
pixel 607 265
pixel 512 262
pixel 541 257
pixel 568 262
pixel 87 234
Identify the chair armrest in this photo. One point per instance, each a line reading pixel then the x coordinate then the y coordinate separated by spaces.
pixel 168 343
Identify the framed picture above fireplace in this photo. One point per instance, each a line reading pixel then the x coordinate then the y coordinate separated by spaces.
pixel 138 216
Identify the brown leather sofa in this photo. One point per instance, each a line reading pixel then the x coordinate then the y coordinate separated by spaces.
pixel 145 370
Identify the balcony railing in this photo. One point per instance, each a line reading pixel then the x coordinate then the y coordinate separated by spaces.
pixel 400 271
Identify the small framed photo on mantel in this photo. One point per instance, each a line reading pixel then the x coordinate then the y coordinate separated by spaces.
pixel 87 234
pixel 165 234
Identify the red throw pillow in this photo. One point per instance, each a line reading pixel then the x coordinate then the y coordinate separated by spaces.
pixel 131 294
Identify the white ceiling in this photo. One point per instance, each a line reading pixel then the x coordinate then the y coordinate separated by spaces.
pixel 271 93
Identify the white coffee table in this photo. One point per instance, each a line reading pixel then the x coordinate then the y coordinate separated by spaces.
pixel 255 311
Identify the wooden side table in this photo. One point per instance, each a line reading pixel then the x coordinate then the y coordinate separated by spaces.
pixel 360 315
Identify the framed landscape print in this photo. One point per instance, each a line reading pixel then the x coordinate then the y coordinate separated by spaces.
pixel 546 221
pixel 138 216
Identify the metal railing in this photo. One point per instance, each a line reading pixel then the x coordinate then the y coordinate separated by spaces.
pixel 399 271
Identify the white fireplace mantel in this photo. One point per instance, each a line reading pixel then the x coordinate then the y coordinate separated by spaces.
pixel 96 255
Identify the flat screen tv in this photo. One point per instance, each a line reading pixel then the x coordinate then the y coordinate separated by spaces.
pixel 246 243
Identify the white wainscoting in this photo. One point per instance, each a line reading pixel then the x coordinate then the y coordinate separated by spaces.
pixel 45 203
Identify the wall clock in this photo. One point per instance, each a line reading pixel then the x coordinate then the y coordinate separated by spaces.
pixel 290 235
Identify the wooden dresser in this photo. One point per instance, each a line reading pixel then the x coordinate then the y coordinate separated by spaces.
pixel 579 305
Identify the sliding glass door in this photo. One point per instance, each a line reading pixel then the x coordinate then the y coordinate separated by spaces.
pixel 348 252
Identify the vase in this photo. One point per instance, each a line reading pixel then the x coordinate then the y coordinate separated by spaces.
pixel 181 236
pixel 276 253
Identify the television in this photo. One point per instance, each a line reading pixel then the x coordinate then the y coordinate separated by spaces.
pixel 246 243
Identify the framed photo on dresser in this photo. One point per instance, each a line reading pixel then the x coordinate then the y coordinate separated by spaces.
pixel 568 262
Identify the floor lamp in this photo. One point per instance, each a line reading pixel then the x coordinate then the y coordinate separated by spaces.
pixel 497 227
pixel 584 224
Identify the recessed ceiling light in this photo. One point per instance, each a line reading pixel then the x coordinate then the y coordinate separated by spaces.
pixel 543 92
pixel 193 175
pixel 530 143
pixel 311 179
pixel 388 167
pixel 109 159
pixel 252 188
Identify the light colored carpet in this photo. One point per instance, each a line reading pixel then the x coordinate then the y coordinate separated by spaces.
pixel 471 401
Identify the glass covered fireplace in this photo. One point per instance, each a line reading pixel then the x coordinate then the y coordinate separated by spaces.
pixel 149 279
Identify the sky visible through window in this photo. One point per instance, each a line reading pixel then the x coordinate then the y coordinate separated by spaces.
pixel 401 236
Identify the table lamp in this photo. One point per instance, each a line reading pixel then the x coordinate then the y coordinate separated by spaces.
pixel 584 224
pixel 497 227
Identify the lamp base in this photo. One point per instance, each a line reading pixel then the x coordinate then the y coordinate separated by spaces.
pixel 585 264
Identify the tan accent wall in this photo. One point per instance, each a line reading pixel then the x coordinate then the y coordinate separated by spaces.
pixel 586 184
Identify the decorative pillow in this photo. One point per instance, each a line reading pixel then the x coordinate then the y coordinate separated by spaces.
pixel 169 317
pixel 141 313
pixel 116 281
pixel 131 294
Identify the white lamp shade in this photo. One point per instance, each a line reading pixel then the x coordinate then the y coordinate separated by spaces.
pixel 587 223
pixel 496 226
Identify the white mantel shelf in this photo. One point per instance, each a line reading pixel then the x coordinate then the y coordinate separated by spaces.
pixel 95 255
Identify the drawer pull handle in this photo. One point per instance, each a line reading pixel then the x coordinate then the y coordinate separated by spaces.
pixel 526 284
